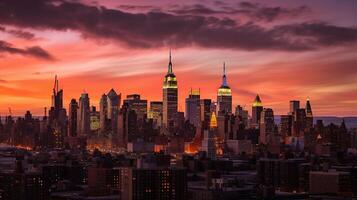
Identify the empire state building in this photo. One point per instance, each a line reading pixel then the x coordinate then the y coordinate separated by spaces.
pixel 224 96
pixel 170 94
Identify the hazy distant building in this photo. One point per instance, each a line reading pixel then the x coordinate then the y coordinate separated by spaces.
pixel 224 96
pixel 294 105
pixel 257 108
pixel 192 113
pixel 242 115
pixel 267 125
pixel 299 122
pixel 83 115
pixel 285 126
pixel 72 118
pixel 170 96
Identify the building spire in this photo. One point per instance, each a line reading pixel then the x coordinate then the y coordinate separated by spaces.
pixel 224 78
pixel 169 70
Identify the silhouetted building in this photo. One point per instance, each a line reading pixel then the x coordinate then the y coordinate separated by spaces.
pixel 299 122
pixel 286 122
pixel 72 118
pixel 309 115
pixel 294 105
pixel 83 117
pixel 192 113
pixel 138 105
pixel 205 112
pixel 267 125
pixel 257 108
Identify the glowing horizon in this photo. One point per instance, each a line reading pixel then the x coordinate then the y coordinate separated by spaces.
pixel 302 49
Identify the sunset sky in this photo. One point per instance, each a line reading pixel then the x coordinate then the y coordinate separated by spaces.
pixel 282 50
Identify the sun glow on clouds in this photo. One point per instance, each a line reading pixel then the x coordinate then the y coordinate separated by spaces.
pixel 86 62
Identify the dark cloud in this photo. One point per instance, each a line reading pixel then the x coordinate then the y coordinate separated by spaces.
pixel 138 8
pixel 18 33
pixel 34 51
pixel 254 11
pixel 156 29
pixel 267 13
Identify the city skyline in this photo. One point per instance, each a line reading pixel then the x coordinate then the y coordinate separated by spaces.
pixel 38 51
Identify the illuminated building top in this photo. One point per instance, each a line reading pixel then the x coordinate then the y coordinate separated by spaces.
pixel 170 78
pixel 213 122
pixel 308 108
pixel 257 102
pixel 224 89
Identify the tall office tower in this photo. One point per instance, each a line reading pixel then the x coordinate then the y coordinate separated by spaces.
pixel 57 99
pixel 299 122
pixel 205 112
pixel 294 105
pixel 127 126
pixel 72 118
pixel 286 122
pixel 224 96
pixel 153 183
pixel 170 94
pixel 267 125
pixel 257 108
pixel 192 113
pixel 242 115
pixel 209 139
pixel 155 113
pixel 309 116
pixel 94 120
pixel 140 106
pixel 103 113
pixel 113 100
pixel 57 118
pixel 83 115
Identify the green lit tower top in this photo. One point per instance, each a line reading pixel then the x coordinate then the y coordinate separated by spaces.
pixel 170 96
pixel 224 96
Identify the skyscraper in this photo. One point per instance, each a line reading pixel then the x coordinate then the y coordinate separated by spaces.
pixel 309 116
pixel 140 106
pixel 170 94
pixel 205 110
pixel 83 115
pixel 57 99
pixel 257 108
pixel 209 139
pixel 103 113
pixel 156 112
pixel 72 118
pixel 267 125
pixel 57 118
pixel 224 96
pixel 113 109
pixel 294 105
pixel 192 113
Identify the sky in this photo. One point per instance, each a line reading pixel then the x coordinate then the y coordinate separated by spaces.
pixel 281 50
